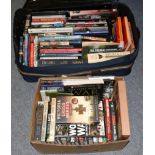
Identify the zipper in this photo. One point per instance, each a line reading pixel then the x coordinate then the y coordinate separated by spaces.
pixel 81 73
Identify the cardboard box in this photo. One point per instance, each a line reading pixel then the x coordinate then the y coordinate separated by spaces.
pixel 123 123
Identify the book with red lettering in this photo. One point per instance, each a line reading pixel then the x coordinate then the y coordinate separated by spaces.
pixel 61 50
pixel 75 109
pixel 108 122
pixel 31 51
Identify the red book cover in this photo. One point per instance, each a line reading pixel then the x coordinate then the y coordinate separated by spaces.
pixel 108 119
pixel 48 20
pixel 54 50
pixel 31 51
pixel 119 32
pixel 126 33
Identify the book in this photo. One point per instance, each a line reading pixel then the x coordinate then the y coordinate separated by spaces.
pixel 62 44
pixel 27 22
pixel 119 32
pixel 107 119
pixel 101 57
pixel 92 38
pixel 49 20
pixel 36 51
pixel 126 33
pixel 99 43
pixel 60 38
pixel 47 30
pixel 51 137
pixel 69 108
pixel 113 120
pixel 47 25
pixel 60 55
pixel 39 119
pixel 26 38
pixel 71 130
pixel 31 51
pixel 44 122
pixel 63 50
pixel 47 16
pixel 91 12
pixel 60 58
pixel 20 54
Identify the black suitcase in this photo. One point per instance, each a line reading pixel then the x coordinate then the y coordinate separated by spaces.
pixel 117 67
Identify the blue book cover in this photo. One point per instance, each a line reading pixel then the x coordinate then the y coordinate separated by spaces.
pixel 26 49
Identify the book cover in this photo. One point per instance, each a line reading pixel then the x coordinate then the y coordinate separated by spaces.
pixel 26 38
pixel 71 109
pixel 39 119
pixel 44 122
pixel 119 32
pixel 46 30
pixel 31 50
pixel 71 130
pixel 61 50
pixel 60 38
pixel 51 137
pixel 126 33
pixel 108 122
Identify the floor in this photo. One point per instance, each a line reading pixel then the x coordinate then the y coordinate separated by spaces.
pixel 22 95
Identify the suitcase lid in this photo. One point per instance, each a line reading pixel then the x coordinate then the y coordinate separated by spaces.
pixel 36 5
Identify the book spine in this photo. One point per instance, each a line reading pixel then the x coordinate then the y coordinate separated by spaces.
pixel 90 12
pixel 60 55
pixel 39 119
pixel 48 20
pixel 67 50
pixel 26 49
pixel 91 38
pixel 46 23
pixel 21 50
pixel 46 30
pixel 27 22
pixel 59 58
pixel 101 57
pixel 60 38
pixel 119 32
pixel 107 119
pixel 51 137
pixel 35 51
pixel 90 32
pixel 44 123
pixel 101 126
pixel 48 16
pixel 113 120
pixel 31 51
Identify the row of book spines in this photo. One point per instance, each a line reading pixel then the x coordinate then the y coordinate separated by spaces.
pixel 43 120
pixel 124 34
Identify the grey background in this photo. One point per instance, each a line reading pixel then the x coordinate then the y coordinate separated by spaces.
pixel 22 95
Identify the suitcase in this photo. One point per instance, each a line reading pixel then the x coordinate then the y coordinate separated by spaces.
pixel 117 67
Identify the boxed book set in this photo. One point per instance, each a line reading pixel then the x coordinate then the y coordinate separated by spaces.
pixel 74 50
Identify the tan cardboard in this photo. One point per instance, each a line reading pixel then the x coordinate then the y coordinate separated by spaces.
pixel 101 147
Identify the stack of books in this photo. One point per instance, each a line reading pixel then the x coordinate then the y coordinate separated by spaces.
pixel 74 37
